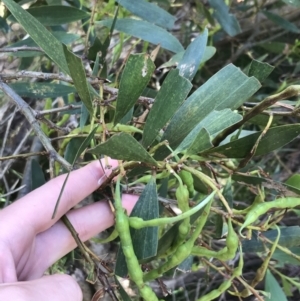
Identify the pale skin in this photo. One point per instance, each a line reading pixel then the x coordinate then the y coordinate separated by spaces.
pixel 30 241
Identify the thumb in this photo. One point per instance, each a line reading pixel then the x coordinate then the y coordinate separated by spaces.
pixel 57 287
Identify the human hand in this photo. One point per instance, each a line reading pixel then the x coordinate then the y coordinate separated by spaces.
pixel 30 241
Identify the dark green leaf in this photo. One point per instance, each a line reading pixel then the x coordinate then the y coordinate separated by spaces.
pixel 135 77
pixel 268 183
pixel 65 38
pixel 260 70
pixel 273 287
pixel 186 265
pixel 290 237
pixel 295 3
pixel 228 88
pixel 201 142
pixel 3 25
pixel 228 21
pixel 282 258
pixel 71 149
pixel 294 181
pixel 275 138
pixel 55 14
pixel 285 24
pixel 149 12
pixel 173 92
pixel 274 47
pixel 77 73
pixel 189 64
pixel 145 240
pixel 41 90
pixel 37 175
pixel 84 116
pixel 146 31
pixel 123 147
pixel 51 46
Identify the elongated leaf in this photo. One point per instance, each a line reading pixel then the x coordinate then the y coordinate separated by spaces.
pixel 123 147
pixel 56 14
pixel 228 88
pixel 273 287
pixel 149 12
pixel 135 77
pixel 77 73
pixel 145 31
pixel 171 95
pixel 290 237
pixel 213 123
pixel 295 3
pixel 145 240
pixel 275 138
pixel 3 25
pixel 37 175
pixel 41 90
pixel 260 70
pixel 285 24
pixel 51 46
pixel 189 64
pixel 228 21
pixel 71 149
pixel 201 142
pixel 208 54
pixel 287 189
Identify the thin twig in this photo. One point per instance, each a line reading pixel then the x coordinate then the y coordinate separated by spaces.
pixel 53 76
pixel 290 91
pixel 29 114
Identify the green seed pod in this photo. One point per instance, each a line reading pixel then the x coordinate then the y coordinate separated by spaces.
pixel 188 180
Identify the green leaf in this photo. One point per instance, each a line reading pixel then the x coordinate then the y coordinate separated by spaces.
pixel 145 240
pixel 55 14
pixel 274 47
pixel 295 3
pixel 173 92
pixel 209 52
pixel 3 25
pixel 37 175
pixel 260 70
pixel 275 138
pixel 273 287
pixel 149 12
pixel 123 147
pixel 282 258
pixel 77 73
pixel 145 31
pixel 135 77
pixel 285 24
pixel 189 64
pixel 200 143
pixel 228 88
pixel 41 90
pixel 51 46
pixel 268 183
pixel 63 37
pixel 290 237
pixel 294 181
pixel 228 21
pixel 71 149
pixel 213 123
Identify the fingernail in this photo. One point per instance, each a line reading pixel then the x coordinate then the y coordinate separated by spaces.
pixel 102 179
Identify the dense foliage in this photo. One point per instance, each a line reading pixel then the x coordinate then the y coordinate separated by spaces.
pixel 198 102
